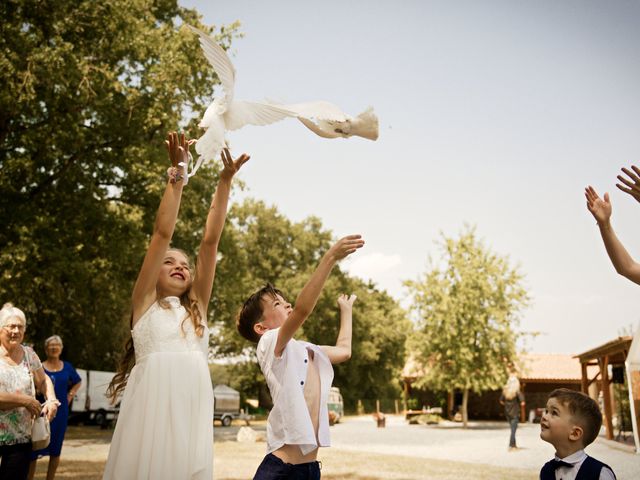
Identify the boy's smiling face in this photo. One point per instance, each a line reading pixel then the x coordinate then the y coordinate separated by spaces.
pixel 558 426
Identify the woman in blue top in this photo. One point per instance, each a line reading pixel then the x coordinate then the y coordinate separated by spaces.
pixel 66 383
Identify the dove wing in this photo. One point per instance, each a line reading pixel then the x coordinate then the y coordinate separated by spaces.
pixel 241 113
pixel 220 62
pixel 319 110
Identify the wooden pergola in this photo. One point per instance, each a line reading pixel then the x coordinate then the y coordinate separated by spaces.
pixel 612 353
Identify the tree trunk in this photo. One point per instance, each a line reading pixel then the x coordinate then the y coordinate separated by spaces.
pixel 465 401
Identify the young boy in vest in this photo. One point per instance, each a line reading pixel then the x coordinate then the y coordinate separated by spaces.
pixel 298 373
pixel 572 421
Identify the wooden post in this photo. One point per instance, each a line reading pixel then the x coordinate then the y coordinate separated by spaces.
pixel 606 395
pixel 405 396
pixel 585 379
pixel 397 409
pixel 523 405
pixel 377 406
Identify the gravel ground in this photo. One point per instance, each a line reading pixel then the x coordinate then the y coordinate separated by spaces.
pixel 360 451
pixel 482 443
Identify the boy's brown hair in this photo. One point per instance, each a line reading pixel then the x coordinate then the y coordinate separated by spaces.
pixel 252 310
pixel 583 409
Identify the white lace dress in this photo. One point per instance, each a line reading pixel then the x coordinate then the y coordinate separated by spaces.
pixel 165 426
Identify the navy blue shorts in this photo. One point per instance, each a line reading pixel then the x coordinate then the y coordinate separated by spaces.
pixel 272 468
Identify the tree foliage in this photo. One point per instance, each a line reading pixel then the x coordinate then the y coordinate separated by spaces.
pixel 88 91
pixel 467 314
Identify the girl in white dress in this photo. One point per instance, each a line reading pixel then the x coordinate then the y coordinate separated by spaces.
pixel 165 426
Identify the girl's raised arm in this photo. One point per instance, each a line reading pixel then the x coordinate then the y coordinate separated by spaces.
pixel 144 290
pixel 207 254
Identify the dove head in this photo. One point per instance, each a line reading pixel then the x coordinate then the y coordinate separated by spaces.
pixel 213 113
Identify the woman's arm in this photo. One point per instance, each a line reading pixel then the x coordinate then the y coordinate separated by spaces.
pixel 144 290
pixel 45 386
pixel 601 210
pixel 207 254
pixel 17 400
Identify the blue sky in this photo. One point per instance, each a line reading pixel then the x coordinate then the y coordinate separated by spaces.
pixel 492 113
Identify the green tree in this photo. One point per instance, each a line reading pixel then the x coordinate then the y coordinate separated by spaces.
pixel 467 313
pixel 88 91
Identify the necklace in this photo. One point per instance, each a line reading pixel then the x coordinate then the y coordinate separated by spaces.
pixel 58 366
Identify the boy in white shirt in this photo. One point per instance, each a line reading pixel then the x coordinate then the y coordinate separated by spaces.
pixel 571 421
pixel 298 373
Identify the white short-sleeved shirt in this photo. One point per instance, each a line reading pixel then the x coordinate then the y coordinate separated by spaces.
pixel 576 460
pixel 289 422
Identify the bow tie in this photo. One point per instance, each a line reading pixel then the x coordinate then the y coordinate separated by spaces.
pixel 556 464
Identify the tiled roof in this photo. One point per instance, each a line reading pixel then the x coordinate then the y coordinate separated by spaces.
pixel 550 366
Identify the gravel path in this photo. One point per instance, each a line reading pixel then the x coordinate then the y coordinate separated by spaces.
pixel 483 442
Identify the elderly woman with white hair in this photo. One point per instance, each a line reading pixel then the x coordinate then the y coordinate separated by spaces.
pixel 19 364
pixel 66 382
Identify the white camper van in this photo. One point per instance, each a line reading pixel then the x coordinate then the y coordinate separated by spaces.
pixel 91 403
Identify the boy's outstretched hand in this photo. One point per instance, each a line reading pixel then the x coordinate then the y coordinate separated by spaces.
pixel 231 166
pixel 345 302
pixel 346 246
pixel 599 208
pixel 632 183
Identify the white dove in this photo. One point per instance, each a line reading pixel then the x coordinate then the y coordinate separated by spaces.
pixel 225 113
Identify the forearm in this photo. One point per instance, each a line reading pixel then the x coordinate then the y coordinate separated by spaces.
pixel 168 210
pixel 308 296
pixel 11 400
pixel 46 388
pixel 622 261
pixel 217 213
pixel 344 335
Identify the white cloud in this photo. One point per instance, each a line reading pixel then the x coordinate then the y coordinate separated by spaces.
pixel 372 265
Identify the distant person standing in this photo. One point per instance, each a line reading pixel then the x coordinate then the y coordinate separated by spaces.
pixel 512 398
pixel 66 383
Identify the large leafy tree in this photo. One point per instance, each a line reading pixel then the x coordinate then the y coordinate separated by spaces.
pixel 88 91
pixel 467 310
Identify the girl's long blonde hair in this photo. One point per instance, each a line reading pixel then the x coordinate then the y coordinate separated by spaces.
pixel 128 359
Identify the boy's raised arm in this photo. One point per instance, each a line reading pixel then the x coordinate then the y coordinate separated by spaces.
pixel 310 293
pixel 601 211
pixel 342 350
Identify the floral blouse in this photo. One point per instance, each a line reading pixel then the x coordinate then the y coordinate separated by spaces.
pixel 15 423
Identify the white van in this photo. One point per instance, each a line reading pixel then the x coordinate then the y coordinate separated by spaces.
pixel 91 403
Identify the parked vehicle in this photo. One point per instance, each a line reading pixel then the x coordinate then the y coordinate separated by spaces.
pixel 91 405
pixel 335 405
pixel 226 404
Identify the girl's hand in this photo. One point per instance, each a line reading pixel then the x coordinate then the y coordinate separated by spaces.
pixel 178 149
pixel 599 208
pixel 231 166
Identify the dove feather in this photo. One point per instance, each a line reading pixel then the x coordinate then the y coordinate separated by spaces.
pixel 220 62
pixel 241 113
pixel 320 110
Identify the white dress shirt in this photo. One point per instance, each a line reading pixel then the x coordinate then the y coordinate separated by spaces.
pixel 576 459
pixel 289 421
